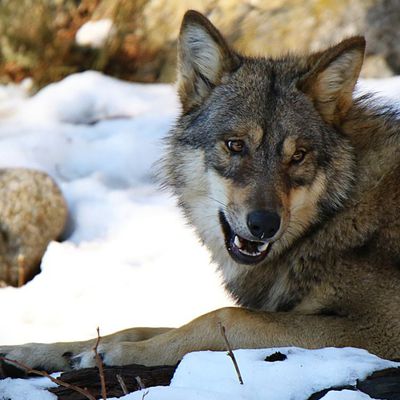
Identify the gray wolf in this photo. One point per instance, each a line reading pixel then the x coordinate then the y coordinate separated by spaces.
pixel 293 185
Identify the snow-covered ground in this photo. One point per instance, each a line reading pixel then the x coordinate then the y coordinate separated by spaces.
pixel 211 376
pixel 128 259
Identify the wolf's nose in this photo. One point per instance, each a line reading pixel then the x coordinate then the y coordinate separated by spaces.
pixel 263 224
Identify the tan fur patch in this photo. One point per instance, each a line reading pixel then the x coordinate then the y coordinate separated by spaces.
pixel 256 134
pixel 319 297
pixel 289 147
pixel 302 203
pixel 237 197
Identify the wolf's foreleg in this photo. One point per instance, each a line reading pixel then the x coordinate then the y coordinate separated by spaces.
pixel 244 329
pixel 61 356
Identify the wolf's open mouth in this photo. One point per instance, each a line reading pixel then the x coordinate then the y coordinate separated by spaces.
pixel 242 250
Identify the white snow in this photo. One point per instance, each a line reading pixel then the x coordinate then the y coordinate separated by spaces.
pixel 211 376
pixel 23 389
pixel 94 33
pixel 128 259
pixel 387 90
pixel 11 95
pixel 128 245
pixel 345 395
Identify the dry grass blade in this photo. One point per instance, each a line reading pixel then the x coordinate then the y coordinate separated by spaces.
pixel 99 363
pixel 141 386
pixel 122 384
pixel 230 353
pixel 30 370
pixel 140 383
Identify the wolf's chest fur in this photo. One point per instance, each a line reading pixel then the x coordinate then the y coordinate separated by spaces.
pixel 286 284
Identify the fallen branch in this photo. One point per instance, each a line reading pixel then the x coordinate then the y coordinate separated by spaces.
pixel 230 353
pixel 30 370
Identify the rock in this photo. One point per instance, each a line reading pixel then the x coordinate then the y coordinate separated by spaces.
pixel 32 213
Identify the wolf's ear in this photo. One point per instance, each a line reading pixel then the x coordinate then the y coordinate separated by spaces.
pixel 331 79
pixel 203 59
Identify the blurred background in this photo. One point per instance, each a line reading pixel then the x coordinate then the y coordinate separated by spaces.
pixel 135 39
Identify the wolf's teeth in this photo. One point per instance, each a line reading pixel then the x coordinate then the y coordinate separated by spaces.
pixel 263 247
pixel 237 242
pixel 249 254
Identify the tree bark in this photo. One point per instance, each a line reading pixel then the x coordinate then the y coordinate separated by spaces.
pixel 89 378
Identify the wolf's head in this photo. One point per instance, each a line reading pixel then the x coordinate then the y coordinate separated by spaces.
pixel 258 157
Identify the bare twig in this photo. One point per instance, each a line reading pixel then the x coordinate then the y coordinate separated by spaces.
pixel 99 364
pixel 122 383
pixel 30 370
pixel 145 394
pixel 230 352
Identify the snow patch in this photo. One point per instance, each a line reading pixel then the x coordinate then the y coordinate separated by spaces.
pixel 94 33
pixel 24 389
pixel 126 245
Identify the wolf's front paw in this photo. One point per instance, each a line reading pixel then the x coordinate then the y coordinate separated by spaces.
pixel 124 353
pixel 34 356
pixel 110 354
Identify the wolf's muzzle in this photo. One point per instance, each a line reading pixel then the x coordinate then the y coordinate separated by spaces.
pixel 242 250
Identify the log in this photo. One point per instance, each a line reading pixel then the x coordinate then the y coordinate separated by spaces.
pixel 89 378
pixel 384 384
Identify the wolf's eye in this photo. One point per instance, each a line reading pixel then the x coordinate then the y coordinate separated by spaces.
pixel 235 146
pixel 298 156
